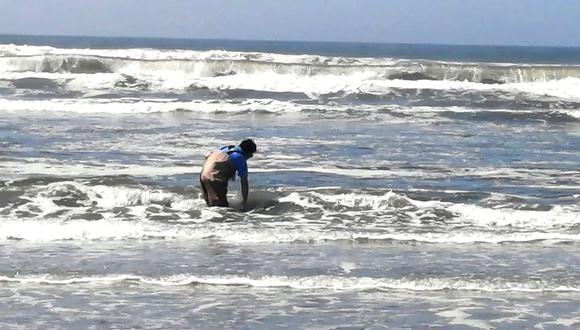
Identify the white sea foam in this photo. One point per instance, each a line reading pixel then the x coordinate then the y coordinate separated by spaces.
pixel 468 223
pixel 564 89
pixel 468 214
pixel 145 106
pixel 58 230
pixel 313 86
pixel 557 217
pixel 374 202
pixel 39 230
pixel 117 196
pixel 459 317
pixel 59 169
pixel 310 74
pixel 123 106
pixel 321 282
pixel 38 166
pixel 180 54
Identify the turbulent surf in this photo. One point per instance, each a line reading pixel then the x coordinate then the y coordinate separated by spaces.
pixel 382 184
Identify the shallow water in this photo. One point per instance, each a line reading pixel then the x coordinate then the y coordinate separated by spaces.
pixel 376 202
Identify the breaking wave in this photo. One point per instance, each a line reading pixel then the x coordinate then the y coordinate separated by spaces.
pixel 75 211
pixel 292 81
pixel 322 283
pixel 223 63
pixel 270 106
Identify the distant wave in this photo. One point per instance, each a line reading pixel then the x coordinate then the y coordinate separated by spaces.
pixel 271 106
pixel 219 63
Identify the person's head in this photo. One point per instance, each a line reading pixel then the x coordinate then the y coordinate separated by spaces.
pixel 248 148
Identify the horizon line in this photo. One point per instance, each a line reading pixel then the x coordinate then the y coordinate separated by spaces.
pixel 289 41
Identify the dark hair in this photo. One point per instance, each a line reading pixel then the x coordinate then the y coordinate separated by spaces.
pixel 248 146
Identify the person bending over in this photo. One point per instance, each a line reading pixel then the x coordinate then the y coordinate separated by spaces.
pixel 220 166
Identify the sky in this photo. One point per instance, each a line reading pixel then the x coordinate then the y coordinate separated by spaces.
pixel 471 22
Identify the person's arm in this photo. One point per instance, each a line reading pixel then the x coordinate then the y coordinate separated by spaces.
pixel 245 189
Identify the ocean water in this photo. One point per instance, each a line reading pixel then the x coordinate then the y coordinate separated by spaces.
pixel 395 186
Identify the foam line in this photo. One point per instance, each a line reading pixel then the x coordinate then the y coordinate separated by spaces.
pixel 311 74
pixel 111 229
pixel 322 282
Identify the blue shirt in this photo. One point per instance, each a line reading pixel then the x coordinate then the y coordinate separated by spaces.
pixel 238 160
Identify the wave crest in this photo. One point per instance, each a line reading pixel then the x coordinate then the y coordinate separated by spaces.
pixel 321 282
pixel 220 63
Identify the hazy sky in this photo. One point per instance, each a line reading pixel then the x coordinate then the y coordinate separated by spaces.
pixel 511 22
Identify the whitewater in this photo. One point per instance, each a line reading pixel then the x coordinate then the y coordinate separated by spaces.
pixel 395 186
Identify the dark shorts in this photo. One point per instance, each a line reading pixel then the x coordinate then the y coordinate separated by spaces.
pixel 214 192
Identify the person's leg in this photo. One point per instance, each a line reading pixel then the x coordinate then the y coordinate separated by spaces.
pixel 204 191
pixel 221 190
pixel 213 195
